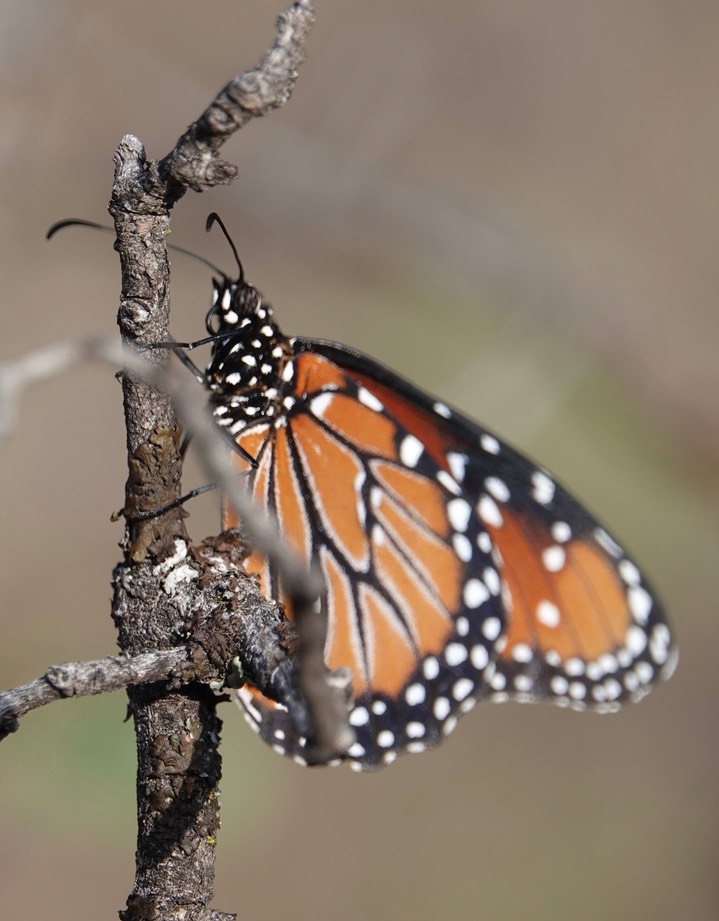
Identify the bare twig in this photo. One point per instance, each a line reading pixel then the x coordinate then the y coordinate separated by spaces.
pixel 194 163
pixel 325 693
pixel 80 679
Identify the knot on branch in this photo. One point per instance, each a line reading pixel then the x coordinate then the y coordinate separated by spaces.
pixel 61 678
pixel 9 717
pixel 234 619
pixel 196 165
pixel 283 659
pixel 142 907
pixel 134 315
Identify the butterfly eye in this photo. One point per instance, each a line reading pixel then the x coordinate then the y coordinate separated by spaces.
pixel 212 322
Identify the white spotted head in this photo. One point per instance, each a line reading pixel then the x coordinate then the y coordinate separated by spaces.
pixel 247 370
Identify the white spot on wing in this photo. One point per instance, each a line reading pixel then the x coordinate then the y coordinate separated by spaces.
pixel 542 487
pixel 629 573
pixel 521 652
pixel 430 668
pixel 410 450
pixel 369 400
pixel 462 688
pixel 462 547
pixel 479 657
pixel 497 488
pixel 321 403
pixel 553 558
pixel 489 512
pixel 492 580
pixel 475 593
pixel 484 542
pixel 449 483
pixel 441 708
pixel 490 444
pixel 561 532
pixel 359 716
pixel 457 465
pixel 548 614
pixel 608 543
pixel 459 512
pixel 640 603
pixel 455 654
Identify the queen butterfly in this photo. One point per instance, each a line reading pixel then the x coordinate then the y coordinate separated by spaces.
pixel 455 569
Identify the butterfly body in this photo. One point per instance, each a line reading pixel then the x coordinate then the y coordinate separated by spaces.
pixel 455 569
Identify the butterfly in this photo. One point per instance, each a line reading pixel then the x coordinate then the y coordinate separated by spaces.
pixel 455 569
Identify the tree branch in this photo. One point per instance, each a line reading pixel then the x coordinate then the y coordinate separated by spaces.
pixel 194 163
pixel 80 679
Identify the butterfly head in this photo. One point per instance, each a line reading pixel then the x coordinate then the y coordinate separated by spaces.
pixel 249 353
pixel 235 305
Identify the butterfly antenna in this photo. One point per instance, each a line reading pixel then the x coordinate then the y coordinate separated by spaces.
pixel 80 222
pixel 214 218
pixel 71 222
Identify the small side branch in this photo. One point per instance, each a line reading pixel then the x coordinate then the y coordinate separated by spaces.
pixel 194 163
pixel 81 679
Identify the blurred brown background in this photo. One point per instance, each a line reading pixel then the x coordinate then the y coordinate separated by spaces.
pixel 516 205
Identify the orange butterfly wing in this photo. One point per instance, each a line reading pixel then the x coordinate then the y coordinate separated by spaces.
pixel 455 569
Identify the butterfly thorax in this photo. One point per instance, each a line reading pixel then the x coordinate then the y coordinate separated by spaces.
pixel 249 355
